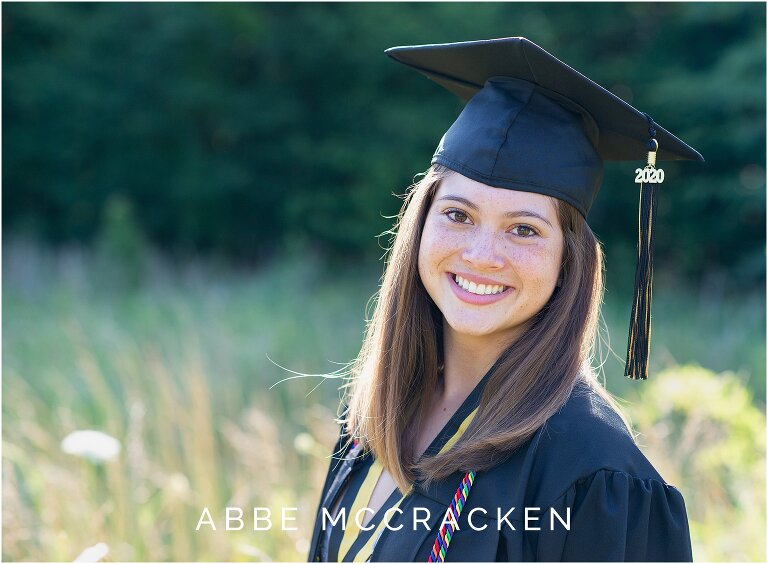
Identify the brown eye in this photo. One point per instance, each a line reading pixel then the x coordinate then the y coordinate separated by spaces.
pixel 457 215
pixel 524 231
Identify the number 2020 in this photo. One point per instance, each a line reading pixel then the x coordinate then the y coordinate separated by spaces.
pixel 645 175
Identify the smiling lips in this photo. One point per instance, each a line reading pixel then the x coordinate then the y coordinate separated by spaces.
pixel 477 294
pixel 480 289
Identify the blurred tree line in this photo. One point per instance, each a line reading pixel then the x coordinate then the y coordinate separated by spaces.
pixel 246 130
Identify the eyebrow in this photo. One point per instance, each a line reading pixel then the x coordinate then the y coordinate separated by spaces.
pixel 517 213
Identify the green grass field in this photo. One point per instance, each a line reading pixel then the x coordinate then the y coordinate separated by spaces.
pixel 179 365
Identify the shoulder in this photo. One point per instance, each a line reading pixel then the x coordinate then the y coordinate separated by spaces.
pixel 590 435
pixel 584 437
pixel 584 466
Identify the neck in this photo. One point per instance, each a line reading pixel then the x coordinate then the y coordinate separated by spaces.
pixel 467 359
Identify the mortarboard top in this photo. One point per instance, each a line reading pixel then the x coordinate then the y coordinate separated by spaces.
pixel 535 124
pixel 464 67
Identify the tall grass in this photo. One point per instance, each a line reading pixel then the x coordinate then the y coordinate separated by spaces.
pixel 177 370
pixel 173 363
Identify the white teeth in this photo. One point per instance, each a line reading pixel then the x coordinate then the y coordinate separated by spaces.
pixel 480 289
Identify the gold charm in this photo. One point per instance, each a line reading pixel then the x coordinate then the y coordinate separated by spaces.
pixel 650 174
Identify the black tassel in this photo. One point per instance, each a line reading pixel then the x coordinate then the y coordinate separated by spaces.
pixel 639 346
pixel 639 342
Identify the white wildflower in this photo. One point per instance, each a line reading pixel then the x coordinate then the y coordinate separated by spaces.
pixel 95 553
pixel 92 445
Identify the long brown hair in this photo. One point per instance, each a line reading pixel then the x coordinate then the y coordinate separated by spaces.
pixel 397 369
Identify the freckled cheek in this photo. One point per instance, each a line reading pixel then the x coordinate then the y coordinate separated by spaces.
pixel 534 265
pixel 436 246
pixel 429 258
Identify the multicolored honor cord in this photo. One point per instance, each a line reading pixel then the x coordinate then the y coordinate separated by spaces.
pixel 446 529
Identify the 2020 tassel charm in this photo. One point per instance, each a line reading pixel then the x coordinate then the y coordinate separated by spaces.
pixel 639 342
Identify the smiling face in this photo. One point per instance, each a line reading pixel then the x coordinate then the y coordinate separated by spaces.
pixel 489 257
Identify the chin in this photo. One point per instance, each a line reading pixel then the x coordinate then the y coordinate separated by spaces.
pixel 473 329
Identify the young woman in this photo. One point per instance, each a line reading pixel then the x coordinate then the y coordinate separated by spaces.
pixel 474 426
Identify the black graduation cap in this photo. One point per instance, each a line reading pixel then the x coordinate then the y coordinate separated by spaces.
pixel 533 123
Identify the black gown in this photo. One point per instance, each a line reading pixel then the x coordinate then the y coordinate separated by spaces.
pixel 582 459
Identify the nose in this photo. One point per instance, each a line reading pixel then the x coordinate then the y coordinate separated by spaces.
pixel 481 252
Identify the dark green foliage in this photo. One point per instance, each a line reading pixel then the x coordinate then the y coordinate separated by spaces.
pixel 249 129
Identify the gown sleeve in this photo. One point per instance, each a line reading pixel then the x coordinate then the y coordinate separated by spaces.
pixel 615 517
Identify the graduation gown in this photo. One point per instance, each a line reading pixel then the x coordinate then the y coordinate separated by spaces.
pixel 582 459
